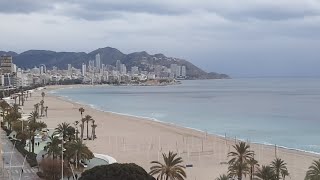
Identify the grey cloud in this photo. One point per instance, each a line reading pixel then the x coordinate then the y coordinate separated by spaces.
pixel 23 6
pixel 229 9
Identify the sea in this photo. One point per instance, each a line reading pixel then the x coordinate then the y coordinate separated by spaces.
pixel 274 111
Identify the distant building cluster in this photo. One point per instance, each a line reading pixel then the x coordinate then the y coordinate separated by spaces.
pixel 91 72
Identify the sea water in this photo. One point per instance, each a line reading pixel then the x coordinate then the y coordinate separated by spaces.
pixel 281 111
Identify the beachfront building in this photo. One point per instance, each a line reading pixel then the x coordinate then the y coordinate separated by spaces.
pixel 98 62
pixel 84 69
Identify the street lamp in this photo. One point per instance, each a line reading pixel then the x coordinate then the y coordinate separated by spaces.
pixel 62 141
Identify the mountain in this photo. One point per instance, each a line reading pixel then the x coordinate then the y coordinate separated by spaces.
pixel 109 55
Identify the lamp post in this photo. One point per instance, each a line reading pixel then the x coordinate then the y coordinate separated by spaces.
pixel 61 138
pixel 62 149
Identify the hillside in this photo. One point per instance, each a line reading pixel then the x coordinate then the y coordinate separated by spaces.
pixel 143 60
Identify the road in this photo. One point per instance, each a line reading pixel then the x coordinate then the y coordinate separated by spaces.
pixel 17 159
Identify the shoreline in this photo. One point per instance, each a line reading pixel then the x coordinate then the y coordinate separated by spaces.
pixel 140 140
pixel 63 98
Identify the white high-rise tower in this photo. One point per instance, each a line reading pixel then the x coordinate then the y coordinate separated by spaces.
pixel 84 69
pixel 98 62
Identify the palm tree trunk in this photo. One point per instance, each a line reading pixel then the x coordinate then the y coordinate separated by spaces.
pixel 87 130
pixel 32 143
pixel 81 128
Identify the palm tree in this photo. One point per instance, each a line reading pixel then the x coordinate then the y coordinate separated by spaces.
pixel 36 108
pixel 13 115
pixel 42 108
pixel 171 169
pixel 33 127
pixel 62 129
pixel 81 110
pixel 78 150
pixel 33 116
pixel 88 118
pixel 83 120
pixel 240 159
pixel 279 167
pixel 46 111
pixel 22 94
pixel 266 173
pixel 237 170
pixel 43 94
pixel 252 162
pixel 52 147
pixel 314 171
pixel 284 174
pixel 223 177
pixel 93 126
pixel 4 106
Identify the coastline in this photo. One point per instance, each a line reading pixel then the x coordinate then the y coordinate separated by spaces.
pixel 205 151
pixel 65 98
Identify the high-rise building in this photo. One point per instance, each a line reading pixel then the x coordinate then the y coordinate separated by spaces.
pixel 183 71
pixel 84 69
pixel 173 68
pixel 123 69
pixel 6 64
pixel 69 67
pixel 14 68
pixel 118 65
pixel 134 70
pixel 178 71
pixel 98 62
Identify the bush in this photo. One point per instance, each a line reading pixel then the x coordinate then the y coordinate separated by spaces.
pixel 51 169
pixel 31 157
pixel 116 172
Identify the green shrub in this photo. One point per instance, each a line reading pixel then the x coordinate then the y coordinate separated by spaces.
pixel 116 172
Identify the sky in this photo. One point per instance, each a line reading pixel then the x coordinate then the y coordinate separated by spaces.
pixel 243 38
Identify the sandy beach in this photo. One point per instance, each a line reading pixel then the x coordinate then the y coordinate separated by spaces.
pixel 137 140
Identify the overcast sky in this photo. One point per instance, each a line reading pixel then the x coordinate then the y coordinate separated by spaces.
pixel 238 37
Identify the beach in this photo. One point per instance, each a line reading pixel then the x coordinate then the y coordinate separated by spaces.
pixel 137 140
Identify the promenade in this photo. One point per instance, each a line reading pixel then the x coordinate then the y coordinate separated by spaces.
pixel 16 170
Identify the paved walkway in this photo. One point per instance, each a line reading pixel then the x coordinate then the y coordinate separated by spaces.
pixel 16 170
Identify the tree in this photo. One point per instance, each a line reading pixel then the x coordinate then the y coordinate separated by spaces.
pixel 52 147
pixel 93 127
pixel 314 171
pixel 116 171
pixel 88 118
pixel 171 169
pixel 238 169
pixel 41 107
pixel 223 177
pixel 43 94
pixel 51 168
pixel 34 126
pixel 83 120
pixel 279 167
pixel 266 173
pixel 13 116
pixel 36 108
pixel 284 174
pixel 63 130
pixel 79 151
pixel 33 116
pixel 46 111
pixel 22 95
pixel 240 159
pixel 81 110
pixel 4 106
pixel 252 163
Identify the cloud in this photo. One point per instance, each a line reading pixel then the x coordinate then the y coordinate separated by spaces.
pixel 210 33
